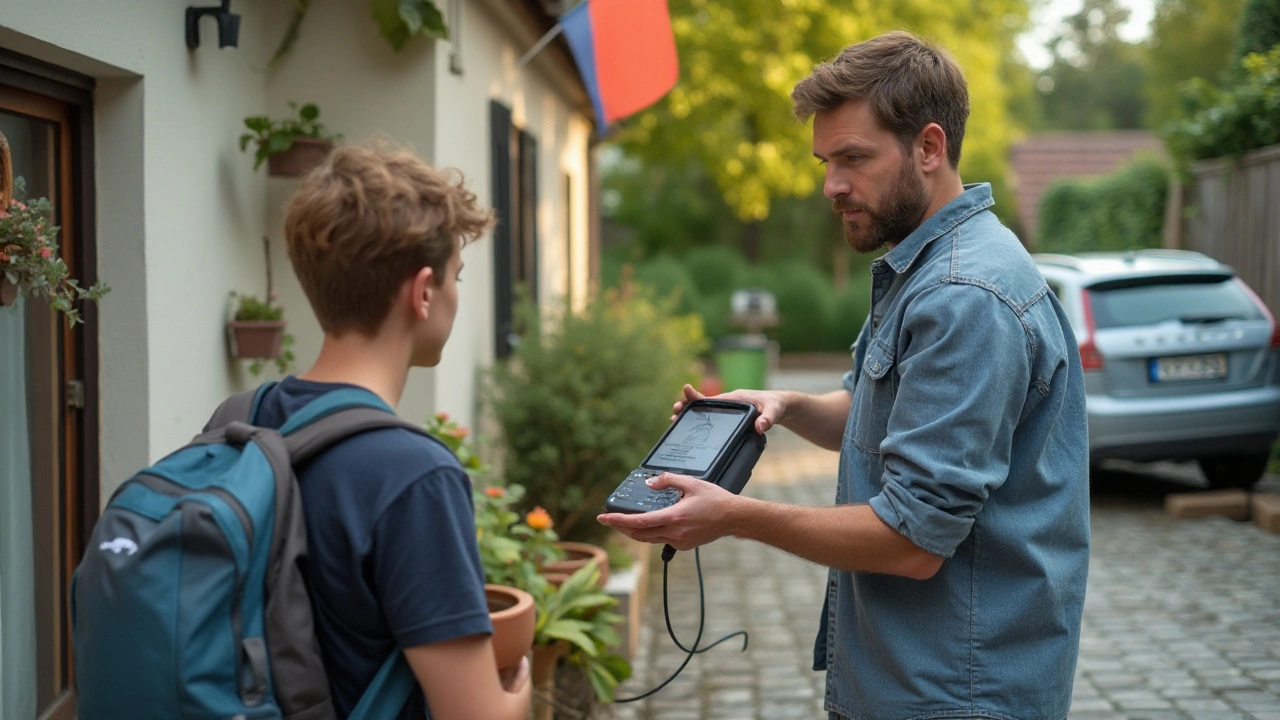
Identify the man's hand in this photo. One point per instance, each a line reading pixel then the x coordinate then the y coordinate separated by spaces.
pixel 703 514
pixel 771 404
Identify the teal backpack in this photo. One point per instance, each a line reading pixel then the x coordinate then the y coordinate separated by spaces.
pixel 190 601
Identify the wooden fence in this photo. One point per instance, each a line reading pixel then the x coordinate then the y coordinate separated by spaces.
pixel 1230 211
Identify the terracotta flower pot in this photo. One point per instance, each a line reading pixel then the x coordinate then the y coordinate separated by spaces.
pixel 513 615
pixel 257 338
pixel 577 555
pixel 303 157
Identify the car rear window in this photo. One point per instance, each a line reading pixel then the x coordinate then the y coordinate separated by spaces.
pixel 1152 301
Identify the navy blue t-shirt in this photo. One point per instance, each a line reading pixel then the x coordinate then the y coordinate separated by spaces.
pixel 392 556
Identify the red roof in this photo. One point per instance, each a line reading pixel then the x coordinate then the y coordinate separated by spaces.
pixel 1042 159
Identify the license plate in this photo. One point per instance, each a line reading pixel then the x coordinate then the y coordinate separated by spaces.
pixel 1188 367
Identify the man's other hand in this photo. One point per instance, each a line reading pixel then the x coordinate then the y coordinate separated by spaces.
pixel 703 514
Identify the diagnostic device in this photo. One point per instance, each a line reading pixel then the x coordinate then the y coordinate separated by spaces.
pixel 713 440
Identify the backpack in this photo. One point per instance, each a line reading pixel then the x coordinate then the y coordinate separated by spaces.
pixel 190 601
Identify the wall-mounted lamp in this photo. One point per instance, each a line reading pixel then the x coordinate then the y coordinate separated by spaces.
pixel 228 25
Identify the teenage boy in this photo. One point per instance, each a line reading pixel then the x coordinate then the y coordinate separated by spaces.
pixel 375 238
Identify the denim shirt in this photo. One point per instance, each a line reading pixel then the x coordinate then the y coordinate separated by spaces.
pixel 966 434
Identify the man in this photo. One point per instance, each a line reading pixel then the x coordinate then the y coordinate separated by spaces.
pixel 959 541
pixel 375 239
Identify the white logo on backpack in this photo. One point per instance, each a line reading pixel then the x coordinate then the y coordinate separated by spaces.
pixel 120 545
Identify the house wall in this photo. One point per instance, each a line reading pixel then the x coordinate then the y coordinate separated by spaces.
pixel 180 211
pixel 492 40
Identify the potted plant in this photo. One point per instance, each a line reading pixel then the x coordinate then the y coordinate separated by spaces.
pixel 513 614
pixel 291 147
pixel 258 332
pixel 30 265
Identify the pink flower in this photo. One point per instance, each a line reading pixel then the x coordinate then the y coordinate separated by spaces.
pixel 20 206
pixel 45 253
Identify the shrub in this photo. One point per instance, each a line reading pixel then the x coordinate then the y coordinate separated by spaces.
pixel 585 395
pixel 852 304
pixel 1229 122
pixel 1120 211
pixel 806 302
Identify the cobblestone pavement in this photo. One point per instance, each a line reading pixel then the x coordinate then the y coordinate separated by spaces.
pixel 1182 617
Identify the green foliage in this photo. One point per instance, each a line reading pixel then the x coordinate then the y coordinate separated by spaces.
pixel 1120 211
pixel 579 613
pixel 1096 79
pixel 586 393
pixel 1259 27
pixel 29 255
pixel 272 137
pixel 806 304
pixel 731 113
pixel 401 20
pixel 1189 39
pixel 1230 122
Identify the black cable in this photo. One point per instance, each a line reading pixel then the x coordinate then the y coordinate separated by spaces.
pixel 668 553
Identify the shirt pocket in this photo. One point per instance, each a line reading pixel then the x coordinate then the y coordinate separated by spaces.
pixel 873 399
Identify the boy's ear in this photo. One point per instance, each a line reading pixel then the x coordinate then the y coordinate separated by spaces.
pixel 422 286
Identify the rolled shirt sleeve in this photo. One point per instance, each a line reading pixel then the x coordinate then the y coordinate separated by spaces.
pixel 964 363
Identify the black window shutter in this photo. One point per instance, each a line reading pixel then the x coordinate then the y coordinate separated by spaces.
pixel 503 297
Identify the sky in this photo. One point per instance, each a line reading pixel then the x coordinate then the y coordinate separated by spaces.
pixel 1046 15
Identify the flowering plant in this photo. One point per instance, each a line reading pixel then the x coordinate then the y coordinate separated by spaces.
pixel 29 256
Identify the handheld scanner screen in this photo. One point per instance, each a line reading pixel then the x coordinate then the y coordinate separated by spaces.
pixel 699 436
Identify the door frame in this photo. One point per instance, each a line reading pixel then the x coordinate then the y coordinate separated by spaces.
pixel 51 93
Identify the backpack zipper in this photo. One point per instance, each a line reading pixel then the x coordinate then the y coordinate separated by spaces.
pixel 165 486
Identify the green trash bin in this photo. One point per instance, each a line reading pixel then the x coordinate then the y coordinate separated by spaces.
pixel 742 361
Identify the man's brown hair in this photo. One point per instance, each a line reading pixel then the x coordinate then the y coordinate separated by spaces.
pixel 909 83
pixel 368 219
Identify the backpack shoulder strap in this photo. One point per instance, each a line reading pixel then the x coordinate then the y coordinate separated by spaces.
pixel 336 416
pixel 240 407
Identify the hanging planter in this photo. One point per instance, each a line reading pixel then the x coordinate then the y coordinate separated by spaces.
pixel 30 264
pixel 291 147
pixel 305 155
pixel 257 339
pixel 257 332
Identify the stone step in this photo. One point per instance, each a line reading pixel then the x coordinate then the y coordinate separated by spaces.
pixel 1266 512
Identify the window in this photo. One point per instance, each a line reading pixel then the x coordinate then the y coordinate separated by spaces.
pixel 515 238
pixel 1157 300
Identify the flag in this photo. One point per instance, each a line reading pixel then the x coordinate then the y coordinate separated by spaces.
pixel 625 51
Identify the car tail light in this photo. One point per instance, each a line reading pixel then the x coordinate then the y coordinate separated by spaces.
pixel 1090 358
pixel 1275 327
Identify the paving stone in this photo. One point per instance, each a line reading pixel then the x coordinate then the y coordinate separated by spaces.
pixel 1266 512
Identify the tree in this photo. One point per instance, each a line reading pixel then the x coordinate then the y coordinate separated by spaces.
pixel 1189 39
pixel 731 112
pixel 1259 27
pixel 1096 78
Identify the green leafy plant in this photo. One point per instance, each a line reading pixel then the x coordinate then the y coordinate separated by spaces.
pixel 1229 122
pixel 250 309
pixel 1120 211
pixel 584 396
pixel 272 137
pixel 579 613
pixel 29 255
pixel 398 20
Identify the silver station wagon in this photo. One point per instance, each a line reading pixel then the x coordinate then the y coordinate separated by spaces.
pixel 1181 359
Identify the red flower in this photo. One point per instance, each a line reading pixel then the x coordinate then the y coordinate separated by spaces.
pixel 45 253
pixel 3 257
pixel 495 492
pixel 442 416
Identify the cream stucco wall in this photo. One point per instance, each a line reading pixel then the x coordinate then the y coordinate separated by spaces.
pixel 492 41
pixel 180 211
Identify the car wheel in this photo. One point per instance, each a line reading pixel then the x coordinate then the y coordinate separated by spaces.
pixel 1234 471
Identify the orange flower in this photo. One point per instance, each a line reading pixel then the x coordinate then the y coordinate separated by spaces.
pixel 539 519
pixel 495 492
pixel 458 433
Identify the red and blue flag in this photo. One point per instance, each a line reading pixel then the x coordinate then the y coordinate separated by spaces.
pixel 625 51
